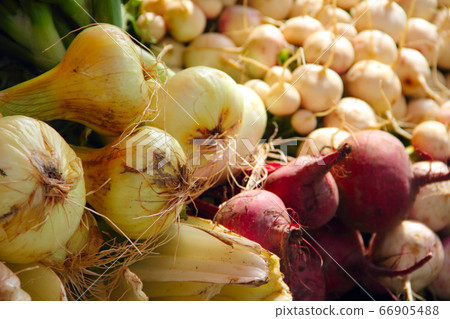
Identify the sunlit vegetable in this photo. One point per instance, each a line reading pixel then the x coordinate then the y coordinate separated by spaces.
pixel 42 193
pixel 203 111
pixel 104 84
pixel 138 183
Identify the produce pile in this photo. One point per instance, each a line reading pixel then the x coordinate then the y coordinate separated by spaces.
pixel 225 150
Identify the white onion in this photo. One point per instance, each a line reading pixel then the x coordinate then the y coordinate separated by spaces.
pixel 42 190
pixel 203 111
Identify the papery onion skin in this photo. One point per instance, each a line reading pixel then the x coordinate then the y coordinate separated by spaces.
pixel 10 289
pixel 40 282
pixel 42 192
pixel 138 197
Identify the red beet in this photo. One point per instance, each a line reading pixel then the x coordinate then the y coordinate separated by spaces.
pixel 343 254
pixel 307 282
pixel 261 216
pixel 376 184
pixel 307 186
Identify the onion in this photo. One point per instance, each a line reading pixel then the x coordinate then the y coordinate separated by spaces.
pixel 323 140
pixel 327 14
pixel 303 121
pixel 238 21
pixel 425 9
pixel 432 138
pixel 282 99
pixel 40 282
pixel 375 45
pixel 419 110
pixel 151 27
pixel 402 247
pixel 277 73
pixel 346 30
pixel 263 45
pixel 253 126
pixel 305 7
pixel 42 187
pixel 422 36
pixel 383 15
pixel 10 289
pixel 156 6
pixel 210 106
pixel 259 86
pixel 254 121
pixel 138 183
pixel 320 88
pixel 104 84
pixel 185 20
pixel 374 82
pixel 276 9
pixel 211 8
pixel 353 113
pixel 432 202
pixel 173 52
pixel 214 50
pixel 414 73
pixel 346 4
pixel 320 46
pixel 297 29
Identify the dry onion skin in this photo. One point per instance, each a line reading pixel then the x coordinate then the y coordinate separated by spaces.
pixel 10 289
pixel 139 182
pixel 40 282
pixel 42 190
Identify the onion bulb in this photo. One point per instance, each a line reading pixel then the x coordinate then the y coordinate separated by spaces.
pixel 254 121
pixel 138 182
pixel 42 190
pixel 100 83
pixel 203 111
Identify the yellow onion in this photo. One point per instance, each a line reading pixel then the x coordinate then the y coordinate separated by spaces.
pixel 203 110
pixel 42 192
pixel 138 183
pixel 101 83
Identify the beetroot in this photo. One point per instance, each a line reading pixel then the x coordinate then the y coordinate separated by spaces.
pixel 343 254
pixel 307 186
pixel 307 282
pixel 262 217
pixel 376 184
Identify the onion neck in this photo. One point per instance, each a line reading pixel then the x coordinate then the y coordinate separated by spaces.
pixel 37 98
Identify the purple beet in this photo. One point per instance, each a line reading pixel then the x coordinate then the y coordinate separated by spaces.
pixel 306 186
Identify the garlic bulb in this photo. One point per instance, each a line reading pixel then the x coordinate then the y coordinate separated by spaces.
pixel 42 193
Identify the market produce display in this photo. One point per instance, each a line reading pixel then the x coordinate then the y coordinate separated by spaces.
pixel 269 150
